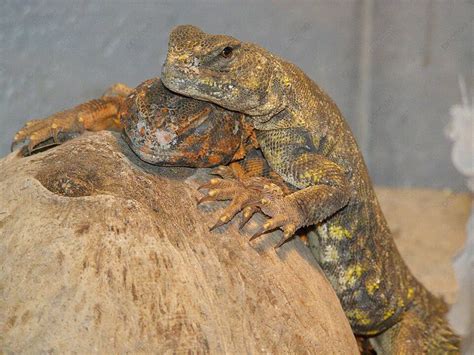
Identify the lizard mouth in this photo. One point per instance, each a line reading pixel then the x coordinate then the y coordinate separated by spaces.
pixel 181 81
pixel 147 154
pixel 172 78
pixel 195 155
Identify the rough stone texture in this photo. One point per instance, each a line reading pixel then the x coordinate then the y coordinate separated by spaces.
pixel 55 54
pixel 104 253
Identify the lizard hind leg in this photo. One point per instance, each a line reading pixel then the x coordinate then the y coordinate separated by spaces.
pixel 94 115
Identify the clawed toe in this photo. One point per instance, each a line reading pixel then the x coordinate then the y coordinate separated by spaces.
pixel 35 132
pixel 221 221
pixel 250 196
pixel 209 185
pixel 274 223
pixel 288 233
pixel 39 134
pixel 229 188
pixel 247 213
pixel 223 171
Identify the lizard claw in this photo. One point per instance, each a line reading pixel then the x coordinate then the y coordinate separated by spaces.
pixel 261 231
pixel 221 221
pixel 247 213
pixel 285 215
pixel 15 145
pixel 279 221
pixel 288 233
pixel 267 227
pixel 205 199
pixel 217 194
pixel 54 132
pixel 282 241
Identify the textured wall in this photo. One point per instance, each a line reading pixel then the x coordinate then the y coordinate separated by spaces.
pixel 55 54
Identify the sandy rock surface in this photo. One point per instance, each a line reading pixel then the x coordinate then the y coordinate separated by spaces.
pixel 103 253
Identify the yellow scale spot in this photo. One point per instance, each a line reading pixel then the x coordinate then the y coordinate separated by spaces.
pixel 410 293
pixel 372 332
pixel 388 314
pixel 371 287
pixel 182 57
pixel 286 81
pixel 311 175
pixel 359 316
pixel 247 213
pixel 339 232
pixel 352 274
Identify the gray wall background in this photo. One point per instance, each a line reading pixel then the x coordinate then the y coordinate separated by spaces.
pixel 392 66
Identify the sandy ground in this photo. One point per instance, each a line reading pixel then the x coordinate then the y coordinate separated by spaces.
pixel 430 229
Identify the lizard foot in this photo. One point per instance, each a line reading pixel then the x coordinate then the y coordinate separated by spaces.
pixel 38 134
pixel 250 195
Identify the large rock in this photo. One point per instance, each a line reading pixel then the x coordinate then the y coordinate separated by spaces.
pixel 101 252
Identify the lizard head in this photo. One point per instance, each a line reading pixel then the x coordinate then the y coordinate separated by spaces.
pixel 168 129
pixel 236 75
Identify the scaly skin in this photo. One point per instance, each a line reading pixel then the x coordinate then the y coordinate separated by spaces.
pixel 94 115
pixel 160 126
pixel 305 139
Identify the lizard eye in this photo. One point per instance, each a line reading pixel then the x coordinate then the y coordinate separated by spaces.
pixel 227 52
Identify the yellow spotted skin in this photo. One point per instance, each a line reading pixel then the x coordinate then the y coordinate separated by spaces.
pixel 306 141
pixel 339 232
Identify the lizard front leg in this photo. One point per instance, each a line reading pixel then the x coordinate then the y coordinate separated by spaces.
pixel 94 115
pixel 323 191
pixel 322 185
pixel 244 182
